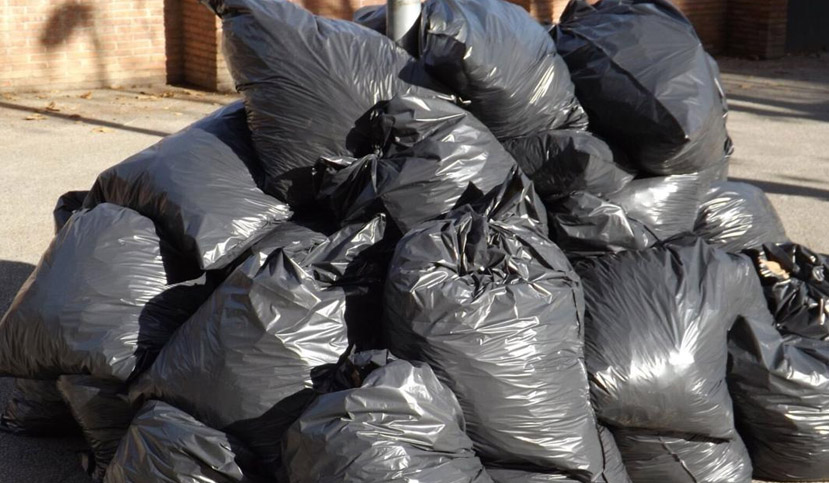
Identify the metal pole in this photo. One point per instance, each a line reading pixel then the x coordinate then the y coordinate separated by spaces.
pixel 402 23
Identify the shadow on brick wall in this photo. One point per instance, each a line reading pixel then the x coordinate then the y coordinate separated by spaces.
pixel 64 21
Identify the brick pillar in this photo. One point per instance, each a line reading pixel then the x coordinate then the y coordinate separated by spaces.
pixel 757 28
pixel 174 41
pixel 709 20
pixel 202 59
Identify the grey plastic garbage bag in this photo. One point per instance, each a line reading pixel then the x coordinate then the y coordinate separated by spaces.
pixel 36 408
pixel 494 55
pixel 102 409
pixel 164 444
pixel 560 162
pixel 655 347
pixel 655 336
pixel 435 155
pixel 197 186
pixel 779 380
pixel 669 459
pixel 614 470
pixel 97 302
pixel 646 83
pixel 253 343
pixel 667 205
pixel 736 216
pixel 584 224
pixel 496 309
pixel 309 88
pixel 398 424
pixel 500 475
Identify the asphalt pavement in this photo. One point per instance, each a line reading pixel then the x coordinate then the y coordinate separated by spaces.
pixel 55 142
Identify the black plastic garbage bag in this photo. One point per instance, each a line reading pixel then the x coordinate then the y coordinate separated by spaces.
pixel 309 83
pixel 647 84
pixel 669 459
pixel 253 343
pixel 779 380
pixel 398 424
pixel 67 205
pixel 736 216
pixel 494 55
pixel 103 411
pixel 496 309
pixel 667 205
pixel 560 162
pixel 164 444
pixel 36 408
pixel 655 336
pixel 584 224
pixel 197 186
pixel 796 284
pixel 99 301
pixel 435 155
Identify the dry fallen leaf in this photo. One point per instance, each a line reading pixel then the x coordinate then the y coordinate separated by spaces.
pixel 41 96
pixel 8 96
pixel 35 117
pixel 177 113
pixel 86 95
pixel 776 269
pixel 168 94
pixel 102 129
pixel 52 107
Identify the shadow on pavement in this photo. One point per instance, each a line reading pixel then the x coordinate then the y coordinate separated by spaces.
pixel 12 276
pixel 804 68
pixel 818 111
pixel 786 189
pixel 87 120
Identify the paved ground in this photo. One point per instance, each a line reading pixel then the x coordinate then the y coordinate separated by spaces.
pixel 56 142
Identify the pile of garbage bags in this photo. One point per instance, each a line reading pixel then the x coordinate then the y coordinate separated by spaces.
pixel 512 255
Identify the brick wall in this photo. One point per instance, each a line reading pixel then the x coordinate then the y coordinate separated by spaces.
pixel 709 19
pixel 54 44
pixel 174 40
pixel 81 43
pixel 757 28
pixel 200 46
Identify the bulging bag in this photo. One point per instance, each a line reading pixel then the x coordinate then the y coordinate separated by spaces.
pixel 239 360
pixel 199 188
pixel 164 444
pixel 646 83
pixel 363 433
pixel 99 302
pixel 309 84
pixel 494 55
pixel 496 309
